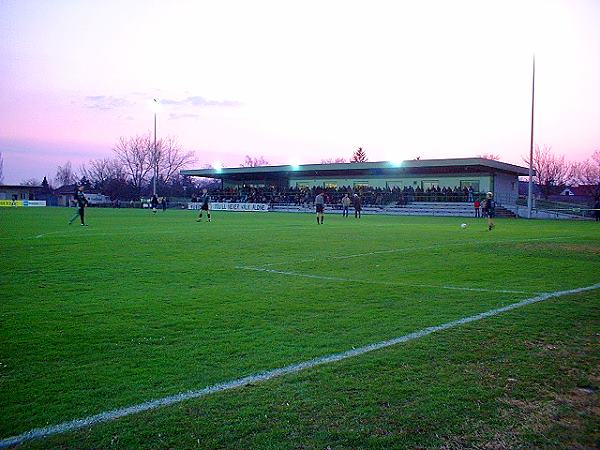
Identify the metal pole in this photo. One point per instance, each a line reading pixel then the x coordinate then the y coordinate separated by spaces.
pixel 530 190
pixel 155 156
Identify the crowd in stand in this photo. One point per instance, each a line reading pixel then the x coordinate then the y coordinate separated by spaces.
pixel 370 196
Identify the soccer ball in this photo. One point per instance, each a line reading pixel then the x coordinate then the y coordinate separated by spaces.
pixel 463 225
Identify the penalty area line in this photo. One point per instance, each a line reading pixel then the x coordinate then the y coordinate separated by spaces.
pixel 38 433
pixel 410 249
pixel 381 283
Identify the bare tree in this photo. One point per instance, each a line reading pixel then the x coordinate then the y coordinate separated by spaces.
pixel 359 155
pixel 489 156
pixel 30 182
pixel 551 171
pixel 139 158
pixel 100 171
pixel 254 162
pixel 97 170
pixel 1 168
pixel 587 173
pixel 171 158
pixel 65 174
pixel 136 158
pixel 333 160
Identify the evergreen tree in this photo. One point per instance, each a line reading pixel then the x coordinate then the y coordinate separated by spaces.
pixel 46 189
pixel 359 156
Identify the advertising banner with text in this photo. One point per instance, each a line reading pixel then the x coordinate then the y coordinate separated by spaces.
pixel 247 207
pixel 22 203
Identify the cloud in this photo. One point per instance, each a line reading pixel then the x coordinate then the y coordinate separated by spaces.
pixel 200 101
pixel 175 116
pixel 105 102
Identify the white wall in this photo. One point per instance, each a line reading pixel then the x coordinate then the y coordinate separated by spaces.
pixel 506 188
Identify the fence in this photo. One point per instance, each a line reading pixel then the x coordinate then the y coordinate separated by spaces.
pixel 560 208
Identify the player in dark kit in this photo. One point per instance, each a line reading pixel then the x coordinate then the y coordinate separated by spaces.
pixel 82 202
pixel 205 200
pixel 320 207
pixel 489 209
pixel 154 203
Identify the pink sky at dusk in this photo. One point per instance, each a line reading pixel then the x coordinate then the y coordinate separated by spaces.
pixel 296 80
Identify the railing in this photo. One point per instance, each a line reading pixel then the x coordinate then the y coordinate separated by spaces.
pixel 374 198
pixel 580 210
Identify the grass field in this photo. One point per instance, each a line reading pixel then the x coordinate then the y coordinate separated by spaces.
pixel 137 307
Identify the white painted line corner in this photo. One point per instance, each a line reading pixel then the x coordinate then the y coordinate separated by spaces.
pixel 38 433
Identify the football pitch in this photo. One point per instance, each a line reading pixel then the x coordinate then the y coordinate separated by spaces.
pixel 376 325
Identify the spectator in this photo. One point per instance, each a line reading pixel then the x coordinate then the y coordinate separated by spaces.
pixel 345 205
pixel 357 206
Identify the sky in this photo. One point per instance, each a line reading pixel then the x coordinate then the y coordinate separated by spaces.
pixel 296 81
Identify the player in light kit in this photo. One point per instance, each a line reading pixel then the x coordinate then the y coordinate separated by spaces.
pixel 205 200
pixel 320 206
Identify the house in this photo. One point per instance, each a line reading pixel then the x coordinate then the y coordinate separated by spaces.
pixel 19 192
pixel 66 196
pixel 580 194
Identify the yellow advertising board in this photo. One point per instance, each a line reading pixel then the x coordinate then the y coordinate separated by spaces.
pixel 6 203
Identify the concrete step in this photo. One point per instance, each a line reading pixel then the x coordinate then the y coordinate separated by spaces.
pixel 447 209
pixel 503 212
pixel 443 204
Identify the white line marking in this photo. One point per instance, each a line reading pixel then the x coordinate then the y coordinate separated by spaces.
pixel 386 283
pixel 408 249
pixel 92 231
pixel 107 416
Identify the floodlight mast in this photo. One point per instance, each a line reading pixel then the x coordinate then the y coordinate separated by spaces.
pixel 530 187
pixel 155 105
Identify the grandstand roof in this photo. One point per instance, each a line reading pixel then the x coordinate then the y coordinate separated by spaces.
pixel 415 166
pixel 25 187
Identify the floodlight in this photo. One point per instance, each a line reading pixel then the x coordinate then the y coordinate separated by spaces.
pixel 395 161
pixel 154 105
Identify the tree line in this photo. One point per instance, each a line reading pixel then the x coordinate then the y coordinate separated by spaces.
pixel 553 172
pixel 129 173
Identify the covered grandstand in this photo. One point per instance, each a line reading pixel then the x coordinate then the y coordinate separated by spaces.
pixel 474 174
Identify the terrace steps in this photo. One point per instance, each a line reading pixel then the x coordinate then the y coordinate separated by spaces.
pixel 450 209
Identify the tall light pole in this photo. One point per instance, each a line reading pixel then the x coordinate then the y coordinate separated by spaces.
pixel 155 108
pixel 530 188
